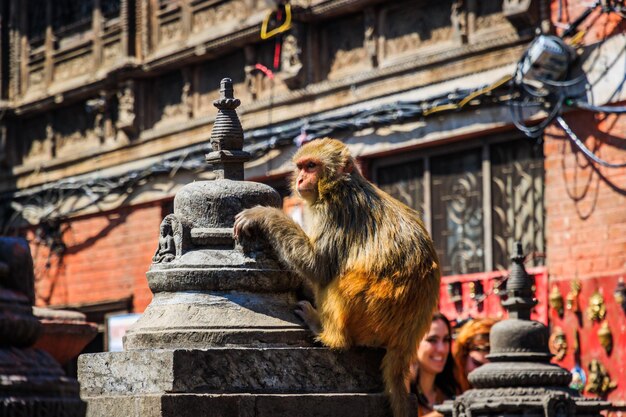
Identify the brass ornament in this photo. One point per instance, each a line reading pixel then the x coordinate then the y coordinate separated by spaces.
pixel 596 309
pixel 556 300
pixel 476 291
pixel 571 301
pixel 599 379
pixel 558 344
pixel 606 337
pixel 455 292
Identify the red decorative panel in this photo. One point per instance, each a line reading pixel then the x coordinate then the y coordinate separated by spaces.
pixel 488 304
pixel 589 342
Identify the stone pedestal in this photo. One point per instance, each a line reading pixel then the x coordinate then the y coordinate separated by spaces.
pixel 64 333
pixel 220 337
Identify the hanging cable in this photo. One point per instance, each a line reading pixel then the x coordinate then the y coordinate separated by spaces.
pixel 599 109
pixel 583 148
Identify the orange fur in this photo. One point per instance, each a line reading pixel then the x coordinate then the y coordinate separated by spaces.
pixel 368 256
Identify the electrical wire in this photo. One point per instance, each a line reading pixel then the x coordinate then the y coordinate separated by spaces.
pixel 44 203
pixel 598 109
pixel 588 153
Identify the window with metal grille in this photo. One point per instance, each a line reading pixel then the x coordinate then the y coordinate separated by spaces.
pixel 476 200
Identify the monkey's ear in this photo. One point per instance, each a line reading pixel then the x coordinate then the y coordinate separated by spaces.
pixel 348 167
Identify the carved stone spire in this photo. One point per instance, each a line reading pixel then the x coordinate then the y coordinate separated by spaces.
pixel 227 156
pixel 519 288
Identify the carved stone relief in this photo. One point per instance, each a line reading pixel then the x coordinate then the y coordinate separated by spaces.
pixel 170 240
pixel 3 143
pixel 371 35
pixel 210 74
pixel 73 129
pixel 489 20
pixel 69 68
pixel 170 30
pixel 412 27
pixel 98 109
pixel 489 15
pixel 169 96
pixel 458 19
pixel 36 76
pixel 126 113
pixel 36 141
pixel 291 65
pixel 257 82
pixel 186 97
pixel 223 13
pixel 343 47
pixel 35 79
pixel 111 52
pixel 249 69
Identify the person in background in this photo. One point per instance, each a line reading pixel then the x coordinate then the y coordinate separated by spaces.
pixel 432 375
pixel 471 348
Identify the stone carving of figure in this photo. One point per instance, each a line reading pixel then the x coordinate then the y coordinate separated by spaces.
pixel 170 234
pixel 290 61
pixel 371 41
pixel 166 251
pixel 187 99
pixel 126 109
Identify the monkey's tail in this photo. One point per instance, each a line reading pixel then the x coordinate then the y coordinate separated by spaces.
pixel 395 369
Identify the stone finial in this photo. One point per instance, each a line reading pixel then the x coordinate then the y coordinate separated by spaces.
pixel 227 156
pixel 519 288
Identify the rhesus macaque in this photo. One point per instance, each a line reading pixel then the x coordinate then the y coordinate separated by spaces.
pixel 369 258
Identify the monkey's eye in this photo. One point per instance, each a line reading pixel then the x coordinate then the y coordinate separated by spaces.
pixel 311 165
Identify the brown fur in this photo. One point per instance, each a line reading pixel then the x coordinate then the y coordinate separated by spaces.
pixel 369 258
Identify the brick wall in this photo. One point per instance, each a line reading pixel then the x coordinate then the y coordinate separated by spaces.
pixel 106 258
pixel 597 26
pixel 586 203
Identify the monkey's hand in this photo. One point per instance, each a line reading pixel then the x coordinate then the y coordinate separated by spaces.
pixel 251 218
pixel 309 315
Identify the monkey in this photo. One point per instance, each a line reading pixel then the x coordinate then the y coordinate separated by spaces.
pixel 371 262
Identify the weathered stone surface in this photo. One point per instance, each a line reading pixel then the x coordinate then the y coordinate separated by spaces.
pixel 18 326
pixel 202 319
pixel 231 370
pixel 242 405
pixel 215 203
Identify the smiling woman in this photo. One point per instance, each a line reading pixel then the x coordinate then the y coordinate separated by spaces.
pixel 433 374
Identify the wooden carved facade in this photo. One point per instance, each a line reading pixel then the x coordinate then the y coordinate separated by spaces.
pixel 81 80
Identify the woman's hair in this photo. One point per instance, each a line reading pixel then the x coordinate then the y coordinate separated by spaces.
pixel 473 334
pixel 446 380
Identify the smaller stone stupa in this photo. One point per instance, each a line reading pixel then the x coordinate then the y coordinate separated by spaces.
pixel 519 380
pixel 32 383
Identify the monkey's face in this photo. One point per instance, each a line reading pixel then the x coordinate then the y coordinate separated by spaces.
pixel 308 174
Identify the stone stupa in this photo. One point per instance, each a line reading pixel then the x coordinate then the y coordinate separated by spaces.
pixel 219 337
